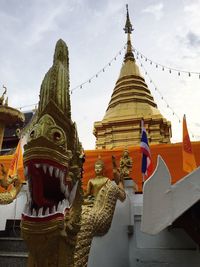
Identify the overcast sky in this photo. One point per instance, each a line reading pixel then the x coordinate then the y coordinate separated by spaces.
pixel 168 32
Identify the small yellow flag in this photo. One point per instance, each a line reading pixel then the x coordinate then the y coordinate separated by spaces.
pixel 189 163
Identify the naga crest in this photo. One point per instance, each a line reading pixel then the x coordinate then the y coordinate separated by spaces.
pixel 52 153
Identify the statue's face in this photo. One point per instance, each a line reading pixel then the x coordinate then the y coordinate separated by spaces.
pixel 126 154
pixel 98 169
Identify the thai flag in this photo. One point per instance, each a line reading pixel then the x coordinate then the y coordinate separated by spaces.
pixel 147 166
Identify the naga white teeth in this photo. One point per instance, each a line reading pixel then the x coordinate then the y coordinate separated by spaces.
pixel 56 172
pixel 66 203
pixel 61 175
pixel 51 170
pixel 53 210
pixel 47 211
pixel 44 168
pixel 34 212
pixel 62 185
pixel 40 212
pixel 62 206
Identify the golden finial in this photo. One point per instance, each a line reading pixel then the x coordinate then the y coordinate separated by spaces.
pixel 128 30
pixel 128 26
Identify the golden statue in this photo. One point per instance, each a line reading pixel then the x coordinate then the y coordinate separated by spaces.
pixel 95 184
pixel 123 172
pixel 97 213
pixel 126 164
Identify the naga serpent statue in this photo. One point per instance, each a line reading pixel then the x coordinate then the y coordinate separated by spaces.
pixel 57 224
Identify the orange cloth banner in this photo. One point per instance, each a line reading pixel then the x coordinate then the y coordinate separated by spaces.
pixel 171 153
pixel 189 162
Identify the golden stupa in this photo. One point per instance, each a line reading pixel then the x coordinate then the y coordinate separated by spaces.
pixel 131 101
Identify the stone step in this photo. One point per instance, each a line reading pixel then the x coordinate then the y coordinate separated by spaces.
pixel 12 244
pixel 13 259
pixel 12 229
pixel 13 250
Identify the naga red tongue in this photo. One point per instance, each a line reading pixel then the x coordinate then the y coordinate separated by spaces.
pixel 38 188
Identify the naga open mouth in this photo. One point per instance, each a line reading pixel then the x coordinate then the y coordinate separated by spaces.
pixel 51 192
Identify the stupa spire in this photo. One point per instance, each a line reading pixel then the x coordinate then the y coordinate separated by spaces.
pixel 128 30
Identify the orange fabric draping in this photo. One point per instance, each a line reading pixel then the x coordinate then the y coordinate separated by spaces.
pixel 189 162
pixel 171 153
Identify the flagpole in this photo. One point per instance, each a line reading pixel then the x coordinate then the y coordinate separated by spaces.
pixel 146 154
pixel 143 180
pixel 143 175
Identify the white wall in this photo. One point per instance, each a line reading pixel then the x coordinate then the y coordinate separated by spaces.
pixel 169 248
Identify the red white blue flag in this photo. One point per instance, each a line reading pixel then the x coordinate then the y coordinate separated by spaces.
pixel 147 166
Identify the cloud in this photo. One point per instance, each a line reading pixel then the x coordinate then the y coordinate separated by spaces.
pixel 156 10
pixel 43 23
pixel 192 7
pixel 192 39
pixel 191 17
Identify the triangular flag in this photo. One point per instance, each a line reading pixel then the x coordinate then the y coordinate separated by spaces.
pixel 189 163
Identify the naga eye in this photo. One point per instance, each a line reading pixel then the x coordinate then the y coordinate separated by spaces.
pixel 56 136
pixel 32 133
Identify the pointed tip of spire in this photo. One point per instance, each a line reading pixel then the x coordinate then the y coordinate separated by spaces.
pixel 128 29
pixel 128 26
